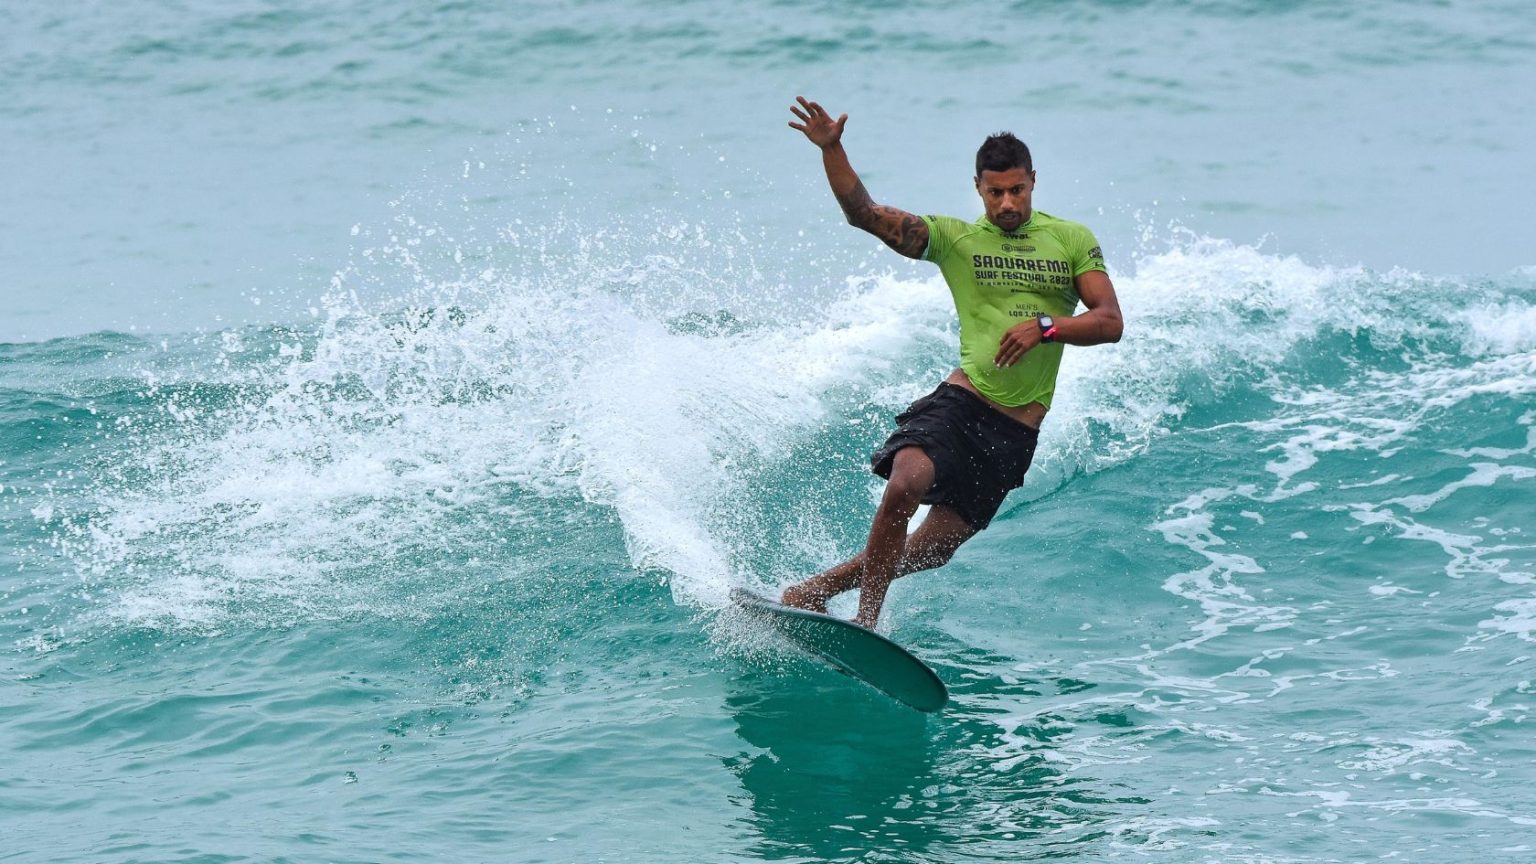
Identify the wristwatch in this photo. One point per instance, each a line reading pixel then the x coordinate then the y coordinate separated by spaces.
pixel 1047 328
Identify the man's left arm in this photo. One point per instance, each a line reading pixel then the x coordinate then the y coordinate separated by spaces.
pixel 1101 322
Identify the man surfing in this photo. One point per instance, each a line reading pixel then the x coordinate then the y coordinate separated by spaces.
pixel 1017 276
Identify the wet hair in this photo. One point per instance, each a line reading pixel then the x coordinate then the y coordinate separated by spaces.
pixel 1002 152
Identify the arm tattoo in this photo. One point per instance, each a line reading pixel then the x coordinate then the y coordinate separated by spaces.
pixel 857 205
pixel 899 229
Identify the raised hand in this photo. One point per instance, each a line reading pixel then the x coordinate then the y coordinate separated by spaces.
pixel 817 124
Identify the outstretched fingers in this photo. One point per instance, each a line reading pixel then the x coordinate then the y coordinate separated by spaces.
pixel 813 110
pixel 805 118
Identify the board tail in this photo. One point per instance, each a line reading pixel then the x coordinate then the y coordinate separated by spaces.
pixel 853 650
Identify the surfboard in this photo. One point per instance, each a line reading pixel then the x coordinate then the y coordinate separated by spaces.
pixel 856 651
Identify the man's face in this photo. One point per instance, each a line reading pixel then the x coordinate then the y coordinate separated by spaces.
pixel 1006 196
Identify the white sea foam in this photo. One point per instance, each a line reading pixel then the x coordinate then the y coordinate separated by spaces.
pixel 1516 617
pixel 1502 328
pixel 1483 474
pixel 1391 756
pixel 1225 602
pixel 397 424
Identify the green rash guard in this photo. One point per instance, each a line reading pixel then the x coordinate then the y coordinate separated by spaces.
pixel 1000 279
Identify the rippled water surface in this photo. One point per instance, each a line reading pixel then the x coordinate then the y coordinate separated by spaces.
pixel 391 395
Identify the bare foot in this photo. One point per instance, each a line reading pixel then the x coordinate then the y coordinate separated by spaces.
pixel 800 598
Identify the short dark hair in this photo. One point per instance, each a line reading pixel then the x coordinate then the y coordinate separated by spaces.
pixel 1003 152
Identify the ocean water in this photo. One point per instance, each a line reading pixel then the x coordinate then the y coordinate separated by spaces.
pixel 390 394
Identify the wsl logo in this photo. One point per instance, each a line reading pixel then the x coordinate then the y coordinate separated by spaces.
pixel 1015 247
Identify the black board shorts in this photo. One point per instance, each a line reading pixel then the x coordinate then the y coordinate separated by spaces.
pixel 978 452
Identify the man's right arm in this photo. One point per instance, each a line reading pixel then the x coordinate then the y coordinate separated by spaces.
pixel 897 228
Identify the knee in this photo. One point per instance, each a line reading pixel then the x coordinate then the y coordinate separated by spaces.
pixel 903 493
pixel 911 478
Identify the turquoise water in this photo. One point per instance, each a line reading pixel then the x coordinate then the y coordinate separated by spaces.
pixel 391 395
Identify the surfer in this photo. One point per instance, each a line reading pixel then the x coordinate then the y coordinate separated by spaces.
pixel 1016 275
